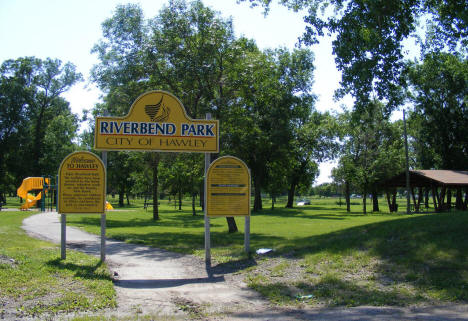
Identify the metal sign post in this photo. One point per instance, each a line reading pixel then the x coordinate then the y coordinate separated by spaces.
pixel 207 219
pixel 103 216
pixel 82 190
pixel 63 236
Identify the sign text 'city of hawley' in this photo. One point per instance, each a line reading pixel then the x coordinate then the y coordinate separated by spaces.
pixel 157 121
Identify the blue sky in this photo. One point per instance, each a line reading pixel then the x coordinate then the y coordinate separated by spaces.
pixel 67 30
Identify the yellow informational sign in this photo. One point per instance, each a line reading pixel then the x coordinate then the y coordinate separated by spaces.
pixel 157 121
pixel 228 188
pixel 82 184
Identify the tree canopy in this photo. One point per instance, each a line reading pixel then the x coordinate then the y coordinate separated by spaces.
pixel 37 127
pixel 368 38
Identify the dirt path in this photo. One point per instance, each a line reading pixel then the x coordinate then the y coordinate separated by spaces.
pixel 154 281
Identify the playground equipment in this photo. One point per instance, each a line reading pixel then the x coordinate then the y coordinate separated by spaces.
pixel 109 206
pixel 29 184
pixel 37 184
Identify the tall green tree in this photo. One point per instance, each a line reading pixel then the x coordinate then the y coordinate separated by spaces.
pixel 37 126
pixel 274 100
pixel 315 140
pixel 372 151
pixel 439 123
pixel 186 49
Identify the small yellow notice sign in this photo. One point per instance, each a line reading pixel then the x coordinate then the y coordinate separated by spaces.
pixel 228 188
pixel 82 184
pixel 157 121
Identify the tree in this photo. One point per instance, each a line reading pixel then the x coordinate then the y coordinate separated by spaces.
pixel 181 174
pixel 372 152
pixel 274 100
pixel 439 92
pixel 368 37
pixel 344 174
pixel 36 122
pixel 186 49
pixel 190 51
pixel 315 141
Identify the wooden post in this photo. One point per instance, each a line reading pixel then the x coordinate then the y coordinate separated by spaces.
pixel 435 197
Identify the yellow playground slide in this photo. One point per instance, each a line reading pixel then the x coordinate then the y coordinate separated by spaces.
pixel 30 184
pixel 36 183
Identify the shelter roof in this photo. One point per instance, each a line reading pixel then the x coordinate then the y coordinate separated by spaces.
pixel 430 178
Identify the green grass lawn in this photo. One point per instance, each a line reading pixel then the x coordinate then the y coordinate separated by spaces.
pixel 323 256
pixel 34 281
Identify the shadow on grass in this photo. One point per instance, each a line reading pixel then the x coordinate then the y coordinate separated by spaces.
pixel 231 266
pixel 168 221
pixel 185 242
pixel 89 272
pixel 305 212
pixel 333 291
pixel 429 251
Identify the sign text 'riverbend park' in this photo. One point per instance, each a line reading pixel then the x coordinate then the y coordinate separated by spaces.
pixel 157 121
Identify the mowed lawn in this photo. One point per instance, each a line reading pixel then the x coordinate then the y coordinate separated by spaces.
pixel 322 255
pixel 180 231
pixel 35 282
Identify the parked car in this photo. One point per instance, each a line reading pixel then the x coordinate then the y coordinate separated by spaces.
pixel 303 202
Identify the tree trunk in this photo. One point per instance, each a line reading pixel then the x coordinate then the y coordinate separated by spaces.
pixel 156 158
pixel 231 224
pixel 194 196
pixel 375 201
pixel 121 198
pixel 364 203
pixel 387 194
pixel 257 196
pixel 180 199
pixel 291 191
pixel 202 197
pixel 348 197
pixel 128 198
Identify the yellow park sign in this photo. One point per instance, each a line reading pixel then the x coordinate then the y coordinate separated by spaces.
pixel 228 188
pixel 82 184
pixel 157 121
